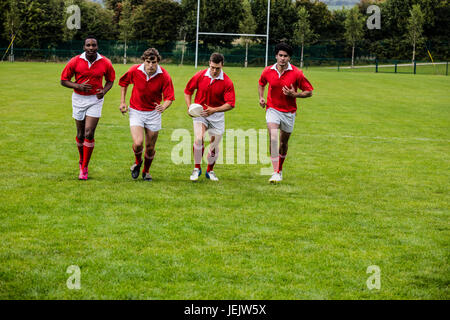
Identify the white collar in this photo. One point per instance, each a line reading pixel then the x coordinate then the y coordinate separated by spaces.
pixel 158 71
pixel 274 67
pixel 83 56
pixel 219 77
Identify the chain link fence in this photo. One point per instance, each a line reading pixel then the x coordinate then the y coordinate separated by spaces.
pixel 317 56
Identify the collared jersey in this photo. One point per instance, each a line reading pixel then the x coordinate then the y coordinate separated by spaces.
pixel 212 92
pixel 291 76
pixel 148 91
pixel 85 72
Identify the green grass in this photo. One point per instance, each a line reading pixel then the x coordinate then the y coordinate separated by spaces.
pixel 365 183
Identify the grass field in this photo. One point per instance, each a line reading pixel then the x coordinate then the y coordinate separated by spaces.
pixel 366 182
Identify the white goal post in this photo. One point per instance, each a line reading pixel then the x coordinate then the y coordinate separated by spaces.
pixel 231 34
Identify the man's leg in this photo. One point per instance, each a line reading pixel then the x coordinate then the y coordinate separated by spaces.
pixel 273 135
pixel 137 133
pixel 80 138
pixel 150 142
pixel 213 153
pixel 199 148
pixel 88 145
pixel 284 138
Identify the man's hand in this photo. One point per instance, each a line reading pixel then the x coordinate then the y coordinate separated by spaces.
pixel 85 87
pixel 262 102
pixel 160 108
pixel 123 108
pixel 207 112
pixel 291 92
pixel 100 93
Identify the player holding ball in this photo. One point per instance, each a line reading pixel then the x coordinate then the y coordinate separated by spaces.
pixel 215 92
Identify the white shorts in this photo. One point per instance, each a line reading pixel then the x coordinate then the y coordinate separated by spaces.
pixel 86 106
pixel 285 120
pixel 214 123
pixel 146 119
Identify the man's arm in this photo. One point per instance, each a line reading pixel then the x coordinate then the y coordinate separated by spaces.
pixel 162 107
pixel 291 92
pixel 262 101
pixel 101 92
pixel 304 94
pixel 209 110
pixel 188 99
pixel 123 100
pixel 85 87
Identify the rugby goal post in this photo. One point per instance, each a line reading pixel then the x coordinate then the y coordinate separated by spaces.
pixel 231 34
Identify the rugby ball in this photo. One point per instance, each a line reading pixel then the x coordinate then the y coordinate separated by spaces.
pixel 195 109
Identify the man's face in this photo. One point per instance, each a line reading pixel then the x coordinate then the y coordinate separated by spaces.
pixel 90 47
pixel 215 68
pixel 282 58
pixel 151 64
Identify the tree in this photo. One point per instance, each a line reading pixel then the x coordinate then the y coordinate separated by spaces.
pixel 215 16
pixel 282 19
pixel 415 27
pixel 354 31
pixel 157 21
pixel 320 18
pixel 30 23
pixel 12 24
pixel 247 25
pixel 303 32
pixel 117 6
pixel 126 26
pixel 95 20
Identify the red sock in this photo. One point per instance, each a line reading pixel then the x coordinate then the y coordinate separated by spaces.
pixel 88 147
pixel 80 148
pixel 138 156
pixel 198 165
pixel 211 161
pixel 280 163
pixel 148 162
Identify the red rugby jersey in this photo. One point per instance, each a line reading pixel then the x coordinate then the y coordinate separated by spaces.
pixel 213 93
pixel 93 73
pixel 275 97
pixel 148 91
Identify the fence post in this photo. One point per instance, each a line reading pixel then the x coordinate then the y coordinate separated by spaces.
pixel 339 64
pixel 446 71
pixel 376 65
pixel 414 66
pixel 395 66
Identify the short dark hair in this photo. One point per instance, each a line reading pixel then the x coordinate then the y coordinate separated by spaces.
pixel 283 46
pixel 90 37
pixel 150 54
pixel 217 58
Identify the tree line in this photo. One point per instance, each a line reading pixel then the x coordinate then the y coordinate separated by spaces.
pixel 409 28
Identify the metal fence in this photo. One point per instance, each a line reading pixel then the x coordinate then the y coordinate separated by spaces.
pixel 378 66
pixel 178 53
